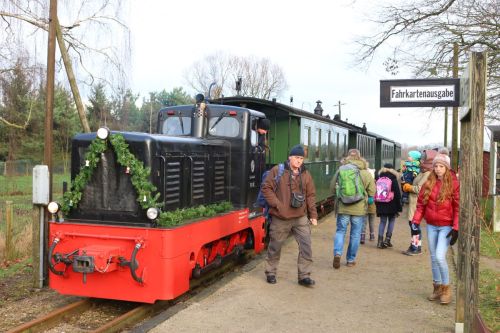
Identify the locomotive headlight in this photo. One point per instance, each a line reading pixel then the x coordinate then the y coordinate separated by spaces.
pixel 152 213
pixel 53 207
pixel 103 133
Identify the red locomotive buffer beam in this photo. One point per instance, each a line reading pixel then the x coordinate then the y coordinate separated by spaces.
pixel 144 264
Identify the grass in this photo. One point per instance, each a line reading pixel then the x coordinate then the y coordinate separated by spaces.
pixel 489 299
pixel 489 244
pixel 489 280
pixel 18 190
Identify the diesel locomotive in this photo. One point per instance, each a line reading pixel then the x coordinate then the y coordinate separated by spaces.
pixel 111 241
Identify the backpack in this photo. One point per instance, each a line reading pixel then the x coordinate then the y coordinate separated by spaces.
pixel 384 191
pixel 261 200
pixel 350 187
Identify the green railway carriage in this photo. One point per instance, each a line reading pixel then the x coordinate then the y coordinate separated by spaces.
pixel 325 140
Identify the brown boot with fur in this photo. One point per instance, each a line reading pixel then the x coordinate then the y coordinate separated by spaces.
pixel 436 294
pixel 445 297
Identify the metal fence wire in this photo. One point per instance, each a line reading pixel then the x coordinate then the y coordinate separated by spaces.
pixel 24 168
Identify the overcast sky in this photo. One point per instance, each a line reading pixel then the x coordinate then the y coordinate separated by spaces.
pixel 312 41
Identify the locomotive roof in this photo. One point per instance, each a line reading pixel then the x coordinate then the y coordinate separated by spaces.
pixel 235 107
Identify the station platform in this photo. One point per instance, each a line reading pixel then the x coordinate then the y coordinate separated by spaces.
pixel 386 291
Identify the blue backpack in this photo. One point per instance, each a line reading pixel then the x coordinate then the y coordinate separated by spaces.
pixel 261 201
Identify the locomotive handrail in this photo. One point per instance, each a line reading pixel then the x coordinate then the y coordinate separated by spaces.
pixel 51 249
pixel 100 236
pixel 133 263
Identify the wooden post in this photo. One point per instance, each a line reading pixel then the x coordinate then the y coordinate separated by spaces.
pixel 471 175
pixel 454 122
pixel 35 237
pixel 9 247
pixel 445 143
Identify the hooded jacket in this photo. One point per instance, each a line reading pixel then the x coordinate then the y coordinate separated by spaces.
pixel 359 208
pixel 393 207
pixel 279 200
pixel 439 214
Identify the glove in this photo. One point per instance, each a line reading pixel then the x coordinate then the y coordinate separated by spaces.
pixel 370 200
pixel 407 187
pixel 454 236
pixel 415 230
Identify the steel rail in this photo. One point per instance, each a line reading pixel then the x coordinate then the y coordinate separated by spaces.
pixel 53 318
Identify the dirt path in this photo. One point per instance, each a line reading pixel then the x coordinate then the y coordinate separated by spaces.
pixel 385 292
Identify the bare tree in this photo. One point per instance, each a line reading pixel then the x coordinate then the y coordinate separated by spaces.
pixel 260 77
pixel 90 30
pixel 421 35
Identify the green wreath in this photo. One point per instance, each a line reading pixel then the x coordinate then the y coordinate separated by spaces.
pixel 140 180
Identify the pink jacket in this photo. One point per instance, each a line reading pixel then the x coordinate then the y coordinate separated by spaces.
pixel 439 214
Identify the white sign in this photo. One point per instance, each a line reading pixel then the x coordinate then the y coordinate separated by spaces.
pixel 422 93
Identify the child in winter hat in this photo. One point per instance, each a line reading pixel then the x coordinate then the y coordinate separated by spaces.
pixel 442 159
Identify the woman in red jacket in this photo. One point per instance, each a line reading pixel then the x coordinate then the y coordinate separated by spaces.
pixel 438 204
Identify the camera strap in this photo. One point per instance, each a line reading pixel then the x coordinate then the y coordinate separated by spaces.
pixel 300 181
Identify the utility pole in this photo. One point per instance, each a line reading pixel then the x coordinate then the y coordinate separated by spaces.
pixel 150 110
pixel 445 143
pixel 454 128
pixel 49 103
pixel 48 140
pixel 340 111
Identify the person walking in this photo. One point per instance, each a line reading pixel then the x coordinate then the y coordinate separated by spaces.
pixel 413 189
pixel 388 202
pixel 351 207
pixel 370 215
pixel 438 202
pixel 292 205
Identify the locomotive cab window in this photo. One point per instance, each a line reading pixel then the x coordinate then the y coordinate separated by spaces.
pixel 177 126
pixel 225 126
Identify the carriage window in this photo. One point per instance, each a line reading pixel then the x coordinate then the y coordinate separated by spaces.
pixel 226 126
pixel 177 126
pixel 306 140
pixel 318 143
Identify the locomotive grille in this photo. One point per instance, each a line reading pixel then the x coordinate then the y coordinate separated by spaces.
pixel 198 180
pixel 173 183
pixel 219 177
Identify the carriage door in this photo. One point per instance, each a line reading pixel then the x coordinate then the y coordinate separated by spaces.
pixel 257 159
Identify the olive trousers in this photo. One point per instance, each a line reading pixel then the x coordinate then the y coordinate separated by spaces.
pixel 278 232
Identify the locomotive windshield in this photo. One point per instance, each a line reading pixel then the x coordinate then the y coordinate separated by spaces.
pixel 225 126
pixel 177 126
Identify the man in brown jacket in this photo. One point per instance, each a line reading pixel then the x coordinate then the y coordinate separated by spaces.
pixel 291 203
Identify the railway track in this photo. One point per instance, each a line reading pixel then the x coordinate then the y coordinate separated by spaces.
pixel 106 316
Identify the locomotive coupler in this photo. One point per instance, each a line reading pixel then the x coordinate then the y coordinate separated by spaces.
pixel 84 264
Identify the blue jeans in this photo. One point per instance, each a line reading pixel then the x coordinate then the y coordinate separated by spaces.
pixel 438 246
pixel 390 227
pixel 357 223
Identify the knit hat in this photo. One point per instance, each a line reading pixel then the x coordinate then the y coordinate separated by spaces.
pixel 427 158
pixel 444 151
pixel 297 150
pixel 388 166
pixel 415 155
pixel 354 154
pixel 264 124
pixel 443 159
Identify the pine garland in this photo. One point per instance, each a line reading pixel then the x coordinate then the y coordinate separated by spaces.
pixel 139 176
pixel 179 216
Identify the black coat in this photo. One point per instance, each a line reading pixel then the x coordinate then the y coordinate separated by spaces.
pixel 393 207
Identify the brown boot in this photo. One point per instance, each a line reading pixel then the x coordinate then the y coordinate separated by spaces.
pixel 445 297
pixel 436 294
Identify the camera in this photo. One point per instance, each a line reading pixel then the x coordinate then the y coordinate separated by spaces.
pixel 297 200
